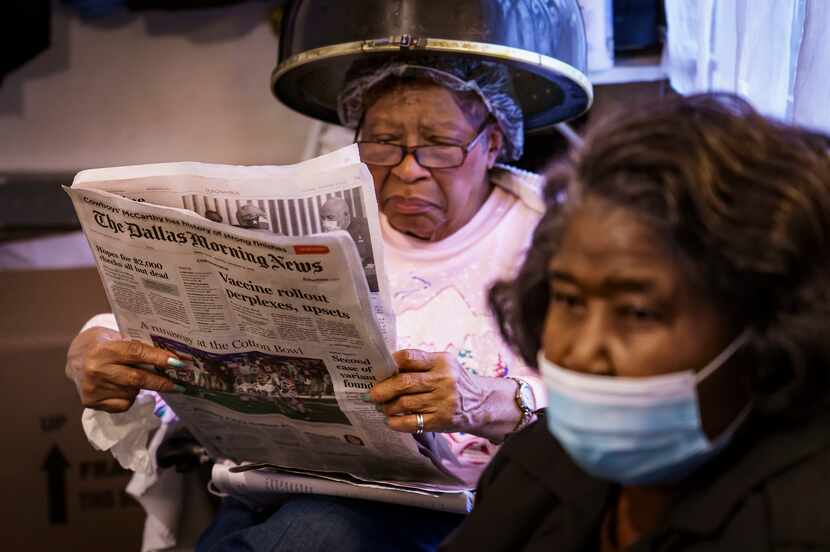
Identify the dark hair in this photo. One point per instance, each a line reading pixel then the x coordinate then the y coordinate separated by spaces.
pixel 743 199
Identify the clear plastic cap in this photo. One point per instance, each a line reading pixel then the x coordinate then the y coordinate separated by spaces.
pixel 489 80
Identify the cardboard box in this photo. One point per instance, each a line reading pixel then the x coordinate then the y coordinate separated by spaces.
pixel 58 492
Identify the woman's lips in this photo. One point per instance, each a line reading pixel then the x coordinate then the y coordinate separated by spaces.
pixel 409 205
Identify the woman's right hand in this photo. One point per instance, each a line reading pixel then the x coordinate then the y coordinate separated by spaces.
pixel 106 369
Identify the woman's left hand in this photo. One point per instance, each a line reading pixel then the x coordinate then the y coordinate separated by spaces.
pixel 449 398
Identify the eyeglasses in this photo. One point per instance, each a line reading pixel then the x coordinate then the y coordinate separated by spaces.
pixel 384 154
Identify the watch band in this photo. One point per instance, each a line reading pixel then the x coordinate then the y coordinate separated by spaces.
pixel 525 408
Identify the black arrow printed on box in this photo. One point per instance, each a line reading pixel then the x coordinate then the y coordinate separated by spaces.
pixel 55 467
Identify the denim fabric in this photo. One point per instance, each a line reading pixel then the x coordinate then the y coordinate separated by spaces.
pixel 314 523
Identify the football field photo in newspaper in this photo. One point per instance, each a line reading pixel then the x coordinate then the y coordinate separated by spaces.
pixel 339 210
pixel 253 382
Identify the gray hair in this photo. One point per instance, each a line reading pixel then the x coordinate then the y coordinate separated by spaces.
pixel 490 81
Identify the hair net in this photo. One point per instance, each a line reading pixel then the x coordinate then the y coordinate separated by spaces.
pixel 491 81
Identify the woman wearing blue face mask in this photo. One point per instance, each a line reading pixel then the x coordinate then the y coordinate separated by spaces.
pixel 676 300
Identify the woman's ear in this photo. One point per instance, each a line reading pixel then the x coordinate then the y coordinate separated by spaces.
pixel 494 145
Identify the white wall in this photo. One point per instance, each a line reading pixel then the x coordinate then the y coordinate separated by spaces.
pixel 150 87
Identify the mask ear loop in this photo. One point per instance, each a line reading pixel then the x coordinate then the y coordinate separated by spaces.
pixel 729 431
pixel 718 361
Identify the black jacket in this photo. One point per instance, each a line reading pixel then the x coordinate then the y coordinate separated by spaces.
pixel 769 490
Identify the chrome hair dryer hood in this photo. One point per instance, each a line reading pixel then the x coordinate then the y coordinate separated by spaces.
pixel 542 42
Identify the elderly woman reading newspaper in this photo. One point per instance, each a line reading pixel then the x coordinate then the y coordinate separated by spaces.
pixel 453 221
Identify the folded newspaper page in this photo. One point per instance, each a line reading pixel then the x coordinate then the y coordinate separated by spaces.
pixel 267 484
pixel 269 283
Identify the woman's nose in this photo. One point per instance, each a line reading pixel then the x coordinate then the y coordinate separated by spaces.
pixel 587 350
pixel 409 170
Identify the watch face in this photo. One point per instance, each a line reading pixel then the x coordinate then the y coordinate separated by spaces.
pixel 528 399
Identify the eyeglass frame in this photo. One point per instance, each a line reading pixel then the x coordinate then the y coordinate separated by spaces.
pixel 406 150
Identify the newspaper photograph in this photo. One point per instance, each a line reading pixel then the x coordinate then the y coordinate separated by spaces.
pixel 340 210
pixel 280 318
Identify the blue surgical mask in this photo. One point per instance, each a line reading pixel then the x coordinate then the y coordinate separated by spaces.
pixel 634 431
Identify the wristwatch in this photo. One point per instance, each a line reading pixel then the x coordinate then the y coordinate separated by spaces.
pixel 526 402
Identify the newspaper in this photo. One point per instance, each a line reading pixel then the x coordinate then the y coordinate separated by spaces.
pixel 266 485
pixel 283 325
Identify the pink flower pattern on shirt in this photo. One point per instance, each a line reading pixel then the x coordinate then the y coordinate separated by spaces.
pixel 439 295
